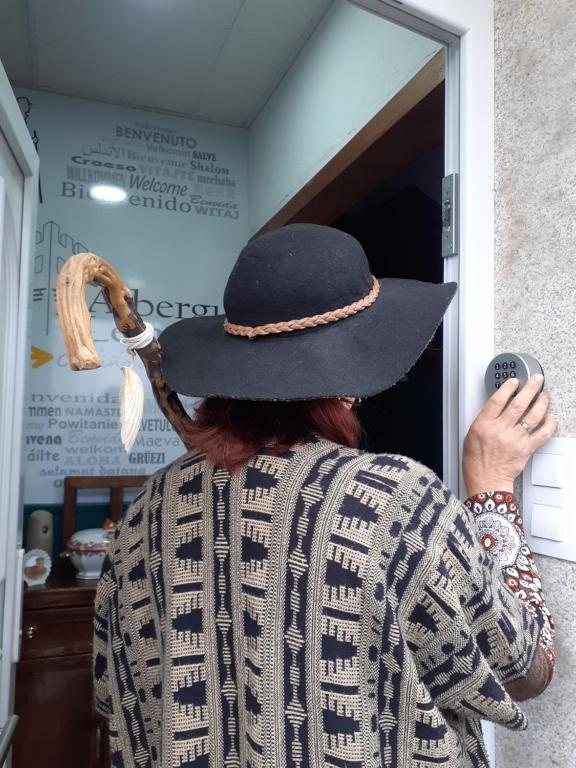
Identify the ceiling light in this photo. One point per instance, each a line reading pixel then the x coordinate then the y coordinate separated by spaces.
pixel 107 193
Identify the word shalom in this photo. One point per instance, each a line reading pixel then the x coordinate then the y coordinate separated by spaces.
pixel 195 204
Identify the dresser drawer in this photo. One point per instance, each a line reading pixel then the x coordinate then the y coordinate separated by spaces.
pixel 56 632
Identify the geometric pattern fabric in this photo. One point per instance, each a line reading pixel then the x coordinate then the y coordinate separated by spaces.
pixel 321 608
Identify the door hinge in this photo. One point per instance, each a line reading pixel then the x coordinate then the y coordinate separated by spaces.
pixel 450 215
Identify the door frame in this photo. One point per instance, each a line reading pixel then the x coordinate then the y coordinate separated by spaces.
pixel 13 367
pixel 466 27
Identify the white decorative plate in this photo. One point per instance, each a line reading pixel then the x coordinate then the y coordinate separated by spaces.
pixel 37 567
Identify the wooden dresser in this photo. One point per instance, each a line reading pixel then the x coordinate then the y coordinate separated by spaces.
pixel 58 727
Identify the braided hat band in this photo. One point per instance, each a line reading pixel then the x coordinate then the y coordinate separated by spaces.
pixel 251 331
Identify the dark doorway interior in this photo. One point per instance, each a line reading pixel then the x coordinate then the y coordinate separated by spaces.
pixel 399 225
pixel 384 187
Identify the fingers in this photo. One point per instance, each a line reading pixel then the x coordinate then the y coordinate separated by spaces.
pixel 541 435
pixel 536 412
pixel 520 404
pixel 499 400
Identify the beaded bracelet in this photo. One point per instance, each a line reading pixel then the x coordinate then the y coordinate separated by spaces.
pixel 501 532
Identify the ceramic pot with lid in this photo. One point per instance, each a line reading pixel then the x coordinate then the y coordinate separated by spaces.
pixel 87 550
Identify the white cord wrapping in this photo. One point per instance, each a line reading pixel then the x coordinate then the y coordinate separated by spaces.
pixel 140 341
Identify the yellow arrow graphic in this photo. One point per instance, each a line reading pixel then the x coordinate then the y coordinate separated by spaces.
pixel 39 357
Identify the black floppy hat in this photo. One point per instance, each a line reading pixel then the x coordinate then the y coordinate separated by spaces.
pixel 354 335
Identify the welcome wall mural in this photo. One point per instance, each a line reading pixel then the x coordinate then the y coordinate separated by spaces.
pixel 173 240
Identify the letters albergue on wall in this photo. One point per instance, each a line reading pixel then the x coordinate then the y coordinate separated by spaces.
pixel 173 240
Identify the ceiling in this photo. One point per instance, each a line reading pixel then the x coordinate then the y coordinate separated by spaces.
pixel 216 60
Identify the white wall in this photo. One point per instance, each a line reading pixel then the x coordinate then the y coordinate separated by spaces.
pixel 174 240
pixel 352 65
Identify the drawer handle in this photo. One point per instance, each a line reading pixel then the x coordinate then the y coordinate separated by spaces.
pixel 31 631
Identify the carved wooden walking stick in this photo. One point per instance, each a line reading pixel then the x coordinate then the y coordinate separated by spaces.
pixel 74 317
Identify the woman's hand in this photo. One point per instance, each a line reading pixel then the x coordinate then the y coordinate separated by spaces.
pixel 497 446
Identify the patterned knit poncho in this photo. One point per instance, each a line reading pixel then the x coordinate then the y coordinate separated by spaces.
pixel 325 607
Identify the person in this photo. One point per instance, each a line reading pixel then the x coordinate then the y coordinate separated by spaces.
pixel 278 597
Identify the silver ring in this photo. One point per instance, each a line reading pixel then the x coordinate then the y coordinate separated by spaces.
pixel 526 426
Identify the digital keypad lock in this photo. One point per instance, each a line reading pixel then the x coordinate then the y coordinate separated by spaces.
pixel 510 365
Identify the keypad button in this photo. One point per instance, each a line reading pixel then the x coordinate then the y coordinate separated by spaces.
pixel 504 366
pixel 505 375
pixel 512 365
pixel 496 375
pixel 512 374
pixel 497 366
pixel 498 384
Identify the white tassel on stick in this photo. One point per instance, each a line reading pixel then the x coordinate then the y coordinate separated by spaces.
pixel 131 406
pixel 132 389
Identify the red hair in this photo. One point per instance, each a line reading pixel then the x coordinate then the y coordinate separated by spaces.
pixel 230 432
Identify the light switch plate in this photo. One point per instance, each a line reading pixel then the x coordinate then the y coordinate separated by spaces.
pixel 547 522
pixel 548 470
pixel 549 502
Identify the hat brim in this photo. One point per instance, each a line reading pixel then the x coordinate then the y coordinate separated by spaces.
pixel 358 356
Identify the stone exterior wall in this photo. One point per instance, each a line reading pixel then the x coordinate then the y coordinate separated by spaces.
pixel 536 292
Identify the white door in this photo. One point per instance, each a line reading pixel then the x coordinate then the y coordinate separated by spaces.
pixel 18 187
pixel 11 196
